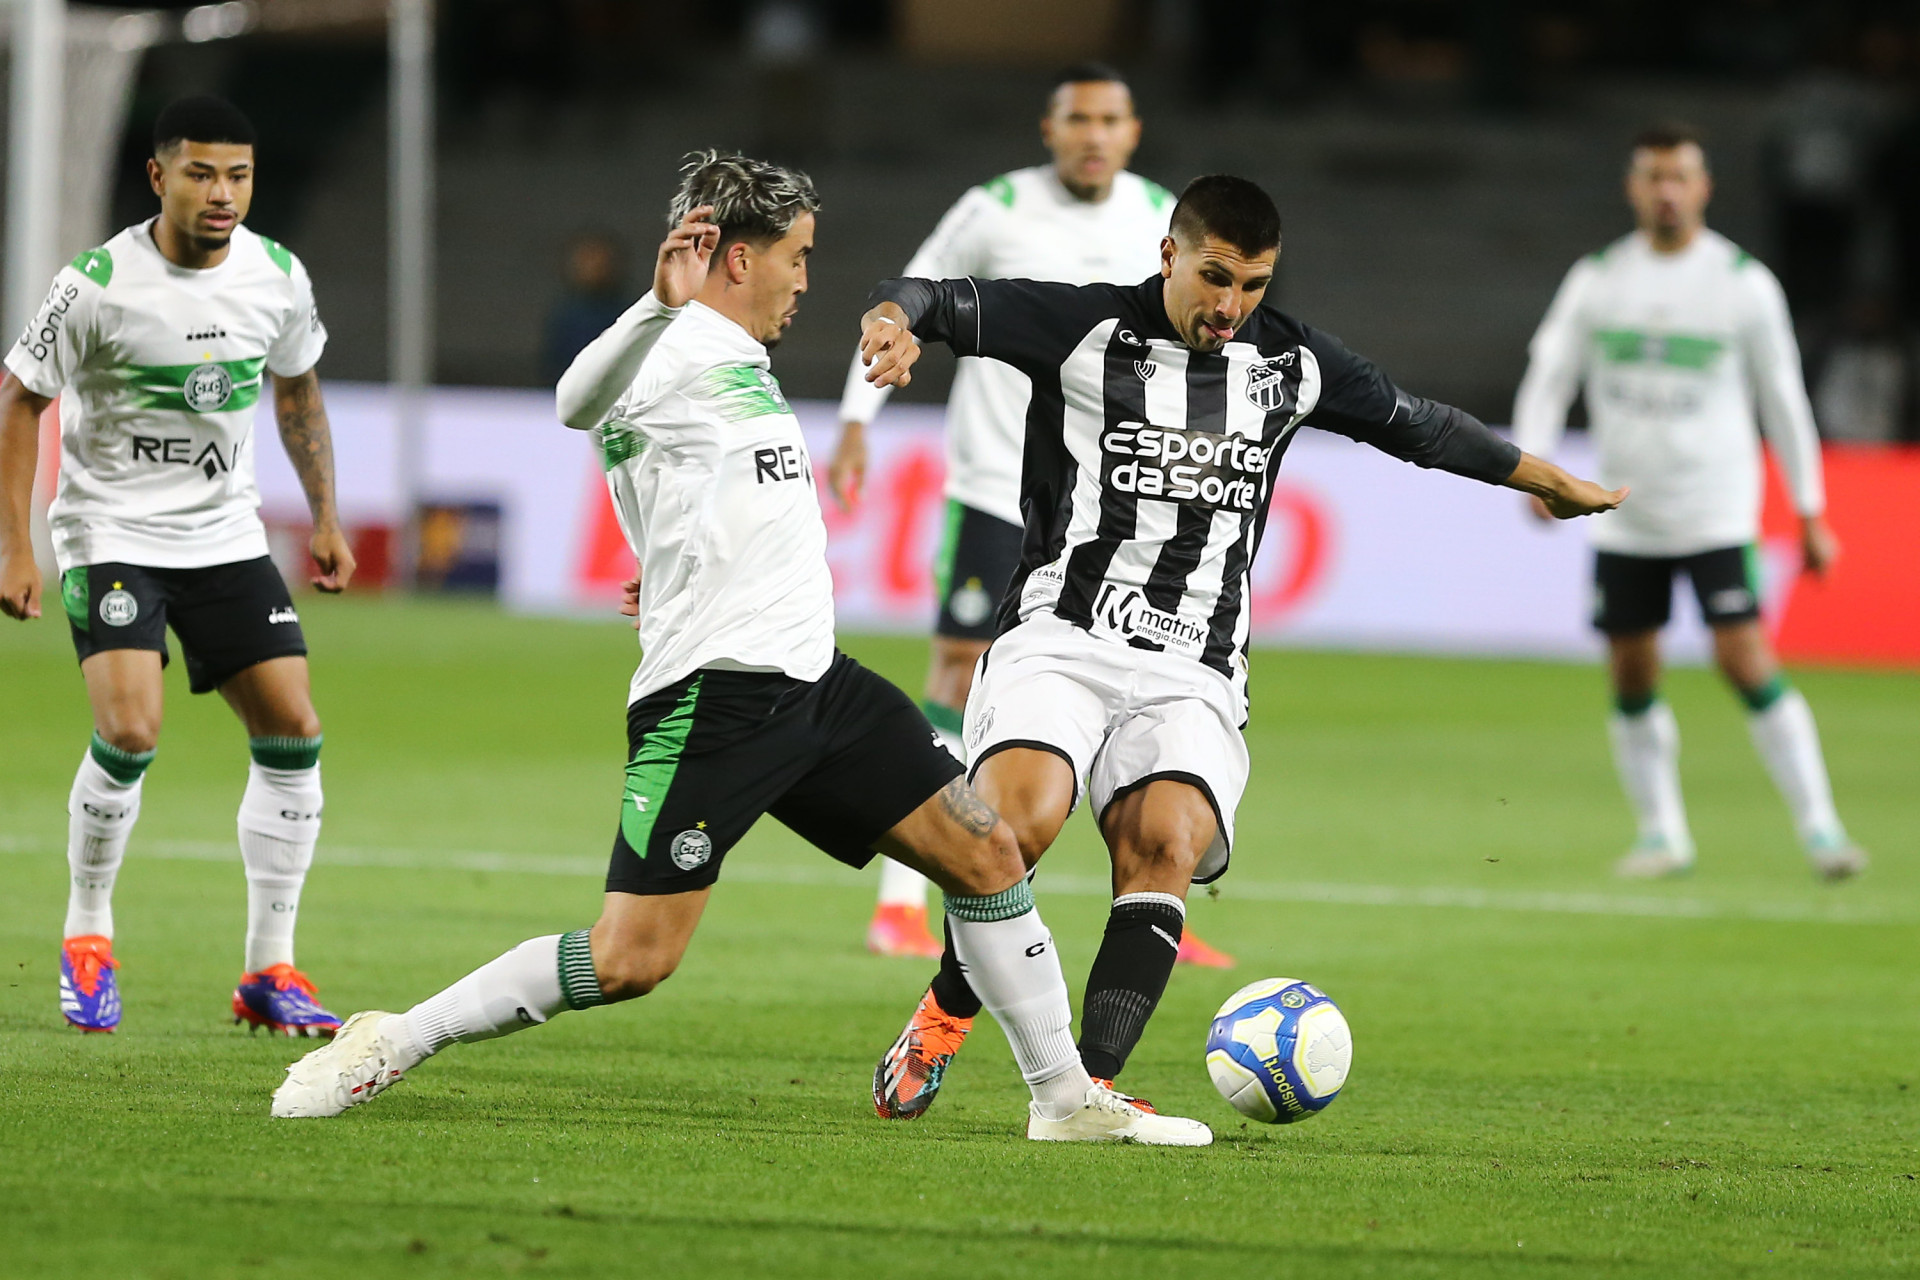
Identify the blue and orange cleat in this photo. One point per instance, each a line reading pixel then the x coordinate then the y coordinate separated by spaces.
pixel 909 1074
pixel 89 995
pixel 281 999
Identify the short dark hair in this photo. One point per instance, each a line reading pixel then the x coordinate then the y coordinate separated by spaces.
pixel 1089 73
pixel 1227 208
pixel 752 200
pixel 1666 135
pixel 203 118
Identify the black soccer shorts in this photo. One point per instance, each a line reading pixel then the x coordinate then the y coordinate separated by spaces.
pixel 978 556
pixel 1635 593
pixel 841 761
pixel 228 617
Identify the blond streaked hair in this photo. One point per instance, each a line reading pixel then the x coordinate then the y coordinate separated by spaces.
pixel 752 199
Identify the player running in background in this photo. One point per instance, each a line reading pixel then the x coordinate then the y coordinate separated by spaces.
pixel 1158 416
pixel 1679 335
pixel 162 340
pixel 1082 220
pixel 741 704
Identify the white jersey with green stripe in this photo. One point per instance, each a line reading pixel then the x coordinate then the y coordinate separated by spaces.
pixel 163 367
pixel 714 490
pixel 1022 225
pixel 1678 352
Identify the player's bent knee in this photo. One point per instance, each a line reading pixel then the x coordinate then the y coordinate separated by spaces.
pixel 997 866
pixel 137 735
pixel 628 976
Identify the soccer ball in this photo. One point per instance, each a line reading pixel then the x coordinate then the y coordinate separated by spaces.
pixel 1279 1050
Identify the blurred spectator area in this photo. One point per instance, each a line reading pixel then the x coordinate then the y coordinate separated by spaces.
pixel 1438 163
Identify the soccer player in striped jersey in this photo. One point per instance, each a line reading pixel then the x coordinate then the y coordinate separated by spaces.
pixel 741 705
pixel 1159 414
pixel 1679 336
pixel 1082 219
pixel 163 340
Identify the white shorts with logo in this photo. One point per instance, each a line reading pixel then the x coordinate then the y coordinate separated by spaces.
pixel 1122 717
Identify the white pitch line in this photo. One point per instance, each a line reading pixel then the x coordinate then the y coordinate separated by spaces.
pixel 831 875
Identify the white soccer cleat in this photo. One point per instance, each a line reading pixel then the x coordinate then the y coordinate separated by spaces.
pixel 1654 860
pixel 1839 861
pixel 356 1064
pixel 1107 1116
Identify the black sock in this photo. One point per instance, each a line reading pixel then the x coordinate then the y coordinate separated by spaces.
pixel 1128 978
pixel 950 985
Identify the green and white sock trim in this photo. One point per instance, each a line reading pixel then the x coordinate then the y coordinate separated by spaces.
pixel 1635 704
pixel 124 767
pixel 1004 905
pixel 286 753
pixel 1764 696
pixel 943 717
pixel 579 985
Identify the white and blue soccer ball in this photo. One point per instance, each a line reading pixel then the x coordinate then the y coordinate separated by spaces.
pixel 1279 1050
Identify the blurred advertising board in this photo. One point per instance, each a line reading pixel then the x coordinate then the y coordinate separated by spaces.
pixel 1361 551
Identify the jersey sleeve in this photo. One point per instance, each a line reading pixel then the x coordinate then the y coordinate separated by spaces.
pixel 957 247
pixel 62 333
pixel 1029 324
pixel 302 338
pixel 1358 401
pixel 612 377
pixel 1779 390
pixel 1556 360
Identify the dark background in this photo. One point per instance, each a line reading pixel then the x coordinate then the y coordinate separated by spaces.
pixel 1438 164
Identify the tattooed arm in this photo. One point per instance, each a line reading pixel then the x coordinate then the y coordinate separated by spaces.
pixel 309 444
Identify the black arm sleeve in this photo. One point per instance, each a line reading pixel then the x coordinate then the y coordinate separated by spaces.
pixel 1030 324
pixel 1359 402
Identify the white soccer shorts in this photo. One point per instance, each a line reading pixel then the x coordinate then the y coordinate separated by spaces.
pixel 1121 716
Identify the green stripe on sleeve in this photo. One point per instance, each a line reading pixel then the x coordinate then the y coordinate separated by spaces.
pixel 650 772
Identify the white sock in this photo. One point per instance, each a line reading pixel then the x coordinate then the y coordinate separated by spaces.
pixel 101 811
pixel 901 886
pixel 1789 743
pixel 1646 750
pixel 279 824
pixel 519 989
pixel 1014 969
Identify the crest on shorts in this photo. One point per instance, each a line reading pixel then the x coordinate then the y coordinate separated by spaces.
pixel 691 849
pixel 1267 382
pixel 207 388
pixel 118 608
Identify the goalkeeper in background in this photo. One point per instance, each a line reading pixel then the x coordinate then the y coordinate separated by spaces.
pixel 1681 339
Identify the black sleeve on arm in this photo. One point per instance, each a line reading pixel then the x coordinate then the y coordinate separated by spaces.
pixel 937 310
pixel 1030 324
pixel 1359 402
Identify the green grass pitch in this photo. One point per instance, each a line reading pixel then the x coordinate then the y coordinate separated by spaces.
pixel 1555 1074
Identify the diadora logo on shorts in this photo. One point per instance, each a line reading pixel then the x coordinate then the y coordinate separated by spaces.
pixel 283 613
pixel 1200 468
pixel 118 607
pixel 1125 610
pixel 1267 382
pixel 691 849
pixel 1730 600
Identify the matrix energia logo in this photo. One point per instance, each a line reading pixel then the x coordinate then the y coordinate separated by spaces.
pixel 207 388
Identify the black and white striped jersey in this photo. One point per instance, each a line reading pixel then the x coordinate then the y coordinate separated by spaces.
pixel 1149 466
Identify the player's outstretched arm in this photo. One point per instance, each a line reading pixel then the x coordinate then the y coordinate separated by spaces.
pixel 308 438
pixel 20 411
pixel 887 345
pixel 1564 494
pixel 605 369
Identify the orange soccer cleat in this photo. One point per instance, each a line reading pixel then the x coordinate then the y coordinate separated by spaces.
pixel 899 929
pixel 1141 1103
pixel 909 1074
pixel 1199 954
